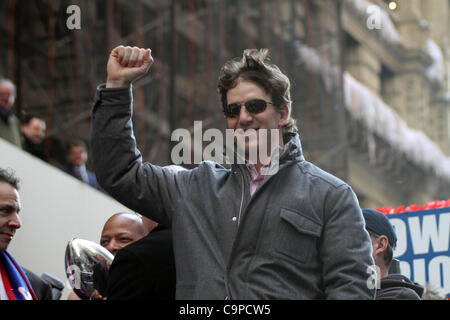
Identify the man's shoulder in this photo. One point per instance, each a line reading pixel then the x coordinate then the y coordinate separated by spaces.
pixel 14 120
pixel 319 175
pixel 212 165
pixel 67 168
pixel 40 287
pixel 397 293
pixel 397 286
pixel 209 170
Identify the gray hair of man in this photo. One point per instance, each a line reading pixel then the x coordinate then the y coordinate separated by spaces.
pixel 9 83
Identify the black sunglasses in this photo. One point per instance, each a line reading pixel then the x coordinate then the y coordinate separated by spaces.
pixel 252 106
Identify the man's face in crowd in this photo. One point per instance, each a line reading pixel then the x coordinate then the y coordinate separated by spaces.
pixel 5 93
pixel 270 118
pixel 9 214
pixel 120 231
pixel 34 130
pixel 77 155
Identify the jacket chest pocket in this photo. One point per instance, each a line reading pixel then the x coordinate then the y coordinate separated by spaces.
pixel 297 236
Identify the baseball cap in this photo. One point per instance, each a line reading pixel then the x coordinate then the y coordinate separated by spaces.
pixel 378 223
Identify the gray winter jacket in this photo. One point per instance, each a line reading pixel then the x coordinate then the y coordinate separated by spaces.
pixel 301 235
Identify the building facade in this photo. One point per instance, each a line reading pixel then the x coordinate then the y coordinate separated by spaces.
pixel 398 64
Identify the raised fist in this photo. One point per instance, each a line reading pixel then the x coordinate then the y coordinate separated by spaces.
pixel 126 65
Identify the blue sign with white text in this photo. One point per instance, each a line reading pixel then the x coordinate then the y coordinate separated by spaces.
pixel 423 246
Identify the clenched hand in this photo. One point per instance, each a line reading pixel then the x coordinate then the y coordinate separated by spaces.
pixel 126 65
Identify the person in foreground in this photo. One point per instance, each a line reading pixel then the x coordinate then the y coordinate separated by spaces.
pixel 384 239
pixel 16 282
pixel 297 233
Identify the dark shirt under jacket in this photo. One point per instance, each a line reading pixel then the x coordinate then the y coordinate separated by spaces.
pixel 145 269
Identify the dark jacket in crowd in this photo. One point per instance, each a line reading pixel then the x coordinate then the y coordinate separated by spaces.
pixel 300 236
pixel 36 150
pixel 398 287
pixel 144 270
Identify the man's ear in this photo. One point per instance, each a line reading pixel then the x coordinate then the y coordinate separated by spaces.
pixel 382 244
pixel 284 112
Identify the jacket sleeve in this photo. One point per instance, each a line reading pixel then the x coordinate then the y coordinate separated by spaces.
pixel 346 249
pixel 151 190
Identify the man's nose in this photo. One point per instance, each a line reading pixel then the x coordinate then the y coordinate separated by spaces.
pixel 244 116
pixel 15 221
pixel 113 246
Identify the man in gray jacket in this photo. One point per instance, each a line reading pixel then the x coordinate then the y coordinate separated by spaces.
pixel 296 233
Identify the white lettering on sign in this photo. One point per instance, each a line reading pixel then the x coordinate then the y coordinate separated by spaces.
pixel 419 271
pixel 405 269
pixel 436 269
pixel 421 236
pixel 400 229
pixel 435 272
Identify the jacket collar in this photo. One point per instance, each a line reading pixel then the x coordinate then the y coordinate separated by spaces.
pixel 292 149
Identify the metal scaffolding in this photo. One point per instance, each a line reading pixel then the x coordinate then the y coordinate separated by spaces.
pixel 58 69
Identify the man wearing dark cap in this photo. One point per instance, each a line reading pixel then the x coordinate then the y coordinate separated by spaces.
pixel 384 240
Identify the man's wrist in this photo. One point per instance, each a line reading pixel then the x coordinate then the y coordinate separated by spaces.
pixel 109 96
pixel 116 83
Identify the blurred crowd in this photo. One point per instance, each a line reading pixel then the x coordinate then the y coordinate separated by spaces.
pixel 28 132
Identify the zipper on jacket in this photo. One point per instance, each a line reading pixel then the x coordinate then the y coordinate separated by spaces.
pixel 227 288
pixel 242 198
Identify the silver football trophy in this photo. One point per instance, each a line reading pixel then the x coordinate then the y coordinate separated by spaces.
pixel 87 265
